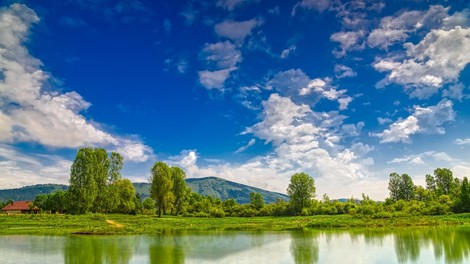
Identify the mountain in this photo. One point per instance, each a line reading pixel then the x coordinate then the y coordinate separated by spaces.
pixel 213 186
pixel 220 188
pixel 28 193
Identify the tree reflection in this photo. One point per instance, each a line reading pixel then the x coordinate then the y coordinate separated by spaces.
pixel 90 249
pixel 304 246
pixel 452 244
pixel 166 247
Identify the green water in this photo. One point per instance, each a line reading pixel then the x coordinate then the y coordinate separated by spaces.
pixel 410 245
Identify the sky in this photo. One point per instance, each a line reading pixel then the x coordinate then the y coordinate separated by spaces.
pixel 251 91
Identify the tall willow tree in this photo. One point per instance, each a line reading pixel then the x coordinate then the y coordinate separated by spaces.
pixel 112 187
pixel 161 186
pixel 83 185
pixel 301 191
pixel 180 189
pixel 94 179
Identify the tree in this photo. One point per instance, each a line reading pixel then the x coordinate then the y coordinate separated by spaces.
pixel 463 204
pixel 444 181
pixel 114 175
pixel 83 188
pixel 256 200
pixel 161 185
pixel 93 181
pixel 148 205
pixel 401 187
pixel 180 189
pixel 100 169
pixel 125 193
pixel 301 191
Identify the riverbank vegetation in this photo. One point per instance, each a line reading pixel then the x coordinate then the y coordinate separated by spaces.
pixel 123 224
pixel 96 186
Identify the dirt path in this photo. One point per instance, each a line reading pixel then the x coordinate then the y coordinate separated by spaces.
pixel 111 222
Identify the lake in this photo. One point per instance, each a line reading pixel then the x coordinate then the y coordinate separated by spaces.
pixel 404 245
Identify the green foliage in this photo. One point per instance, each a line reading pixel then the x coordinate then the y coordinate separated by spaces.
pixel 401 187
pixel 162 184
pixel 301 191
pixel 180 189
pixel 96 184
pixel 256 200
pixel 444 181
pixel 463 203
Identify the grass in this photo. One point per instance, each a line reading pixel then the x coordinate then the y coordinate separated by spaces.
pixel 116 224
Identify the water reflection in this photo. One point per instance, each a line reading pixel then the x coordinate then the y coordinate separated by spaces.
pixel 422 245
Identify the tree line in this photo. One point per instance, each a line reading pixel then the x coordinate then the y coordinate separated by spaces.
pixel 96 186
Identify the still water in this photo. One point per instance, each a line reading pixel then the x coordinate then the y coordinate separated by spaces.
pixel 409 245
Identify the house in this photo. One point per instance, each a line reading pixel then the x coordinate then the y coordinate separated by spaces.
pixel 21 207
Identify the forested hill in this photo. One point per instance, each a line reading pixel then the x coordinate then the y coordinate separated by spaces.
pixel 213 186
pixel 28 193
pixel 220 188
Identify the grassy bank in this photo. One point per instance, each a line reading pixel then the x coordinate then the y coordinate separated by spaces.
pixel 142 224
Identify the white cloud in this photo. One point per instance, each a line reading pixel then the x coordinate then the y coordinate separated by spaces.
pixel 230 5
pixel 396 29
pixel 317 5
pixel 215 79
pixel 221 55
pixel 418 159
pixel 342 71
pixel 436 60
pixel 30 113
pixel 348 40
pixel 455 92
pixel 383 121
pixel 424 120
pixel 245 147
pixel 303 140
pixel 18 169
pixel 236 30
pixel 287 52
pixel 465 141
pixel 221 58
pixel 297 85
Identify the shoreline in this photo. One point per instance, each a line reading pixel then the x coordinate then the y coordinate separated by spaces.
pixel 117 224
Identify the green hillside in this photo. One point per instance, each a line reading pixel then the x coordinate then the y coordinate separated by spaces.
pixel 28 193
pixel 213 186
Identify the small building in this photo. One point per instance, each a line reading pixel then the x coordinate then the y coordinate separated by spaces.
pixel 21 207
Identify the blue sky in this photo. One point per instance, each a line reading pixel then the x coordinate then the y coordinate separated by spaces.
pixel 248 90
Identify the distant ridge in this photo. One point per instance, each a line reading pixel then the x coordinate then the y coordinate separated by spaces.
pixel 212 186
pixel 28 193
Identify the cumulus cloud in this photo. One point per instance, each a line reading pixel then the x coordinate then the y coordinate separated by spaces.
pixel 303 140
pixel 455 92
pixel 437 59
pixel 221 55
pixel 215 79
pixel 230 5
pixel 236 30
pixel 465 141
pixel 297 85
pixel 18 169
pixel 342 71
pixel 348 40
pixel 396 29
pixel 317 5
pixel 287 52
pixel 30 113
pixel 423 120
pixel 220 59
pixel 418 159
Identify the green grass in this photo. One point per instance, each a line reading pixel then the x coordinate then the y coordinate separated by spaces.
pixel 143 224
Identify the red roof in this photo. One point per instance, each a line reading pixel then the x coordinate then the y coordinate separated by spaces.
pixel 18 206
